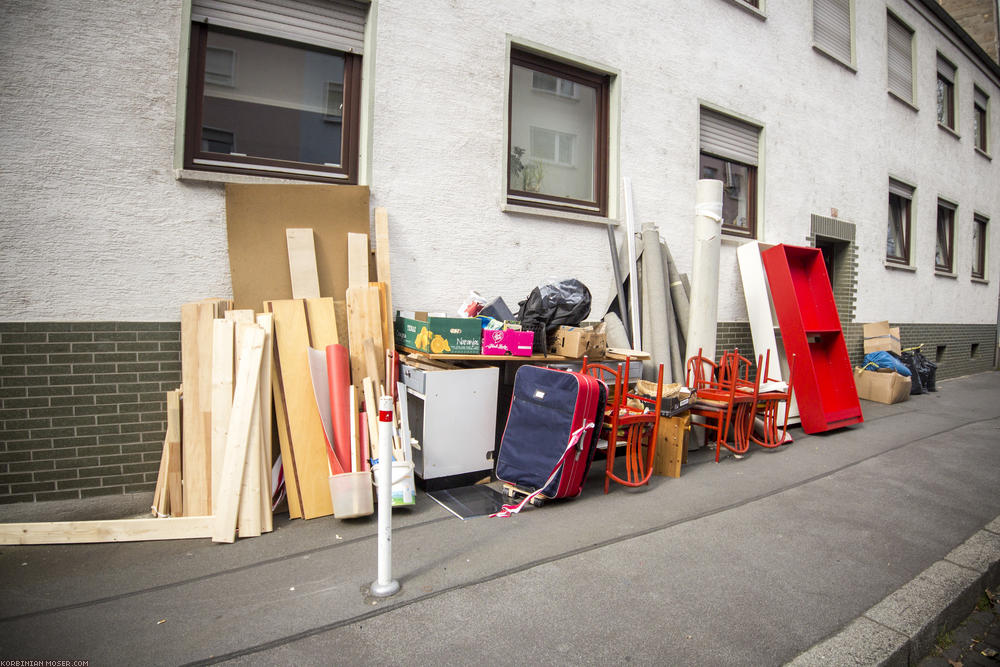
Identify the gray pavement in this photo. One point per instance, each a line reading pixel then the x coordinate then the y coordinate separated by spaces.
pixel 851 547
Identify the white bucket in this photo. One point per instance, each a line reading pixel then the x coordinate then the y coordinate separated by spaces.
pixel 403 487
pixel 351 493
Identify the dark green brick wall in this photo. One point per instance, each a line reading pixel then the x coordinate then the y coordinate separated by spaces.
pixel 955 342
pixel 82 406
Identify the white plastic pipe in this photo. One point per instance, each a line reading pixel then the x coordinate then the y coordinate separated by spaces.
pixel 384 585
pixel 704 311
pixel 633 281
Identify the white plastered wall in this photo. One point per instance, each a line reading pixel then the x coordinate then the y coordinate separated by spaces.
pixel 95 227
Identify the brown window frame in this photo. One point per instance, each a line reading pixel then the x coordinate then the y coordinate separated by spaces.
pixel 346 172
pixel 602 83
pixel 982 123
pixel 979 251
pixel 946 212
pixel 907 210
pixel 750 231
pixel 949 91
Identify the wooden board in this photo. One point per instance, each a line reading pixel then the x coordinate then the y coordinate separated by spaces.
pixel 160 498
pixel 266 322
pixel 363 321
pixel 322 323
pixel 302 263
pixel 357 260
pixel 175 490
pixel 671 445
pixel 249 516
pixel 383 274
pixel 306 442
pixel 223 337
pixel 283 429
pixel 196 355
pixel 256 219
pixel 114 530
pixel 241 422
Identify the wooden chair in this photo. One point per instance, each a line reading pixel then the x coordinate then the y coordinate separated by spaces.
pixel 615 378
pixel 721 388
pixel 769 401
pixel 639 424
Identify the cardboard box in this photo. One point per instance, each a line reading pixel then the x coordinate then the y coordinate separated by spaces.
pixel 507 341
pixel 438 335
pixel 880 336
pixel 455 335
pixel 882 386
pixel 578 342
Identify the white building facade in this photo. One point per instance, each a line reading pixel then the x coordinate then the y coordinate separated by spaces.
pixel 867 128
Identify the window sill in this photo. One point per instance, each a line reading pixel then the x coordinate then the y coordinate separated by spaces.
pixel 948 130
pixel 558 215
pixel 984 154
pixel 846 65
pixel 980 281
pixel 902 101
pixel 223 177
pixel 900 267
pixel 732 239
pixel 945 274
pixel 753 11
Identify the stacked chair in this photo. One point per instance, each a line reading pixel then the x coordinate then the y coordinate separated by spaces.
pixel 730 400
pixel 631 421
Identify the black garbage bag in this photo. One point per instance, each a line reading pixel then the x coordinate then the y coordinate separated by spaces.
pixel 916 382
pixel 548 307
pixel 927 370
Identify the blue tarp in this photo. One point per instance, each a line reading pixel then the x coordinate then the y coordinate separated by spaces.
pixel 885 360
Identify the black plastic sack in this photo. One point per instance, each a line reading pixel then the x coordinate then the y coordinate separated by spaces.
pixel 927 370
pixel 548 307
pixel 923 371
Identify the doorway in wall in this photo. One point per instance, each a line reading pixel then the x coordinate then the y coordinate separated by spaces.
pixel 835 238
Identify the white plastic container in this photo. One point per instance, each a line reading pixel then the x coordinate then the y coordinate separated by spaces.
pixel 351 493
pixel 403 487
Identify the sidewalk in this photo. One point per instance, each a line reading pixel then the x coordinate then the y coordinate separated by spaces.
pixel 751 561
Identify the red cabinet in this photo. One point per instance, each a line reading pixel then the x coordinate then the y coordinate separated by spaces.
pixel 810 329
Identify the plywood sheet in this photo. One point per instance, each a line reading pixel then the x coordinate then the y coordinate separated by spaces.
pixel 306 441
pixel 363 322
pixel 302 263
pixel 256 219
pixel 196 363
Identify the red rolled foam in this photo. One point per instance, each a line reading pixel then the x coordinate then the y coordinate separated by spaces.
pixel 338 366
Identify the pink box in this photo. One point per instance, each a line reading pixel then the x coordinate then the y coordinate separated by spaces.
pixel 499 343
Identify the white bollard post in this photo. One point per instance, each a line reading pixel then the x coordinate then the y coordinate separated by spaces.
pixel 384 585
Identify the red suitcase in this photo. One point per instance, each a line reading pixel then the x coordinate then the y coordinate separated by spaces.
pixel 549 440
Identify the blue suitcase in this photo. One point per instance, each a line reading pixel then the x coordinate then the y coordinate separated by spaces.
pixel 551 433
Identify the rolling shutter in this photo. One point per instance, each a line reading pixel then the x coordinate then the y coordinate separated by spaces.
pixel 945 69
pixel 980 99
pixel 901 189
pixel 900 59
pixel 832 27
pixel 729 138
pixel 334 24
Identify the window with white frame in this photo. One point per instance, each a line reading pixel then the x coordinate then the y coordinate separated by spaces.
pixel 946 92
pixel 897 246
pixel 981 119
pixel 944 251
pixel 293 108
pixel 558 134
pixel 900 58
pixel 833 29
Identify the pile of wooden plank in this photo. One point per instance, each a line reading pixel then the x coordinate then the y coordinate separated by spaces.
pixel 243 370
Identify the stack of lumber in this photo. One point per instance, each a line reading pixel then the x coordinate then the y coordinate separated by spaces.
pixel 241 371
